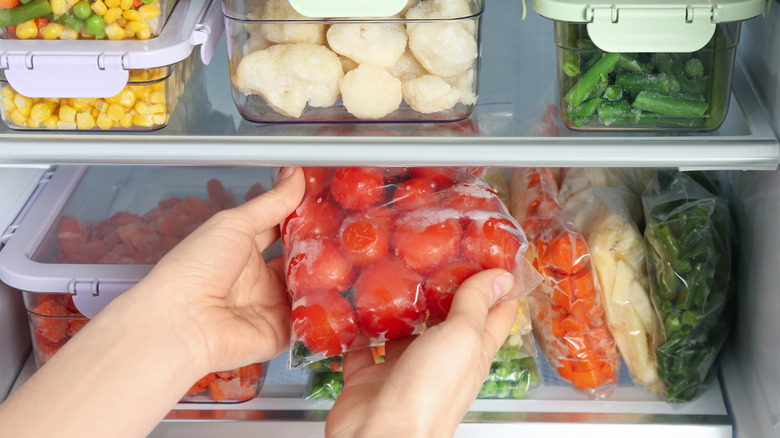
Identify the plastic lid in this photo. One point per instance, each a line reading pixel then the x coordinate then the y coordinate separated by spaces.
pixel 650 25
pixel 85 68
pixel 348 8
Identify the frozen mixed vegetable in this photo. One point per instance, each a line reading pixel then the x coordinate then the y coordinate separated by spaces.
pixel 568 316
pixel 624 90
pixel 376 254
pixel 688 238
pixel 79 19
pixel 425 57
pixel 128 238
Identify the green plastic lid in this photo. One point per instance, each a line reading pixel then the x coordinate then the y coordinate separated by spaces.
pixel 348 8
pixel 650 25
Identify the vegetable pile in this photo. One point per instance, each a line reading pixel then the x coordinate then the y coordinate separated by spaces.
pixel 82 19
pixel 145 103
pixel 630 90
pixel 566 309
pixel 376 254
pixel 128 238
pixel 688 238
pixel 292 62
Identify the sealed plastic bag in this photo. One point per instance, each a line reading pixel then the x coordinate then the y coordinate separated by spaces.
pixel 374 254
pixel 566 309
pixel 608 212
pixel 688 236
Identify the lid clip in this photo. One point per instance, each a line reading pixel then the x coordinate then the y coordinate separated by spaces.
pixel 59 75
pixel 627 29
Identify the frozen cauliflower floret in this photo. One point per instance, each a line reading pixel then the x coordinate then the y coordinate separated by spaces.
pixel 379 44
pixel 445 49
pixel 464 83
pixel 284 33
pixel 288 76
pixel 407 68
pixel 370 92
pixel 430 94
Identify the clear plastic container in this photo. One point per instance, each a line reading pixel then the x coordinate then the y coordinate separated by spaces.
pixel 90 233
pixel 408 62
pixel 85 19
pixel 662 65
pixel 145 103
pixel 687 91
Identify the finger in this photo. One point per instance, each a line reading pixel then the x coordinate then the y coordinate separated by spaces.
pixel 356 360
pixel 272 207
pixel 476 296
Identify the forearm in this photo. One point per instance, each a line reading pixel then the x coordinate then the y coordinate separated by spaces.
pixel 118 377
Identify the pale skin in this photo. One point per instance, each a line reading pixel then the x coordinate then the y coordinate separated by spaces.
pixel 213 304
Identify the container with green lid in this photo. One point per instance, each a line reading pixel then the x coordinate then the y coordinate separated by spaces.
pixel 661 65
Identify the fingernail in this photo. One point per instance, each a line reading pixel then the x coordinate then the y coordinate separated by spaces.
pixel 502 285
pixel 284 173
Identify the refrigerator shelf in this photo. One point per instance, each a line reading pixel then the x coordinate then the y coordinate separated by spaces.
pixel 281 409
pixel 515 123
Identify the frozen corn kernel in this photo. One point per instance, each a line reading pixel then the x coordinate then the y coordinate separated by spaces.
pixel 67 114
pixel 144 120
pixel 112 15
pixel 132 15
pixel 7 91
pixel 99 7
pixel 126 4
pixel 40 112
pixel 114 31
pixel 52 31
pixel 69 34
pixel 149 11
pixel 23 105
pixel 51 122
pixel 85 121
pixel 116 111
pixel 112 4
pixel 27 30
pixel 59 7
pixel 104 122
pixel 126 121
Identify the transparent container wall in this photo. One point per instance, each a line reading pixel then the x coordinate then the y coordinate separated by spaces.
pixel 145 104
pixel 54 320
pixel 285 67
pixel 601 91
pixel 136 214
pixel 86 19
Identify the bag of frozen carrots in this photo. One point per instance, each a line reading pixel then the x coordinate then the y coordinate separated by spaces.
pixel 688 237
pixel 566 309
pixel 607 213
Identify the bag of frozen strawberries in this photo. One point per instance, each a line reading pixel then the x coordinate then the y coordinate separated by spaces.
pixel 374 254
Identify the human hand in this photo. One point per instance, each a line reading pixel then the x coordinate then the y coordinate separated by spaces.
pixel 427 382
pixel 223 302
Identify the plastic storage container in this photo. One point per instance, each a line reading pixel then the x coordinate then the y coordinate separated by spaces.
pixel 85 19
pixel 89 233
pixel 637 65
pixel 315 61
pixel 106 85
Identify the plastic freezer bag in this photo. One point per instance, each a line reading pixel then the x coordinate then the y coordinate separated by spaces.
pixel 567 311
pixel 374 254
pixel 688 238
pixel 608 213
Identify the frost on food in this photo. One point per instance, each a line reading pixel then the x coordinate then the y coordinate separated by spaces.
pixel 380 44
pixel 370 92
pixel 289 32
pixel 288 76
pixel 430 94
pixel 444 49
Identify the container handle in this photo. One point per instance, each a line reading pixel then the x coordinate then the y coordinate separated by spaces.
pixel 348 8
pixel 58 75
